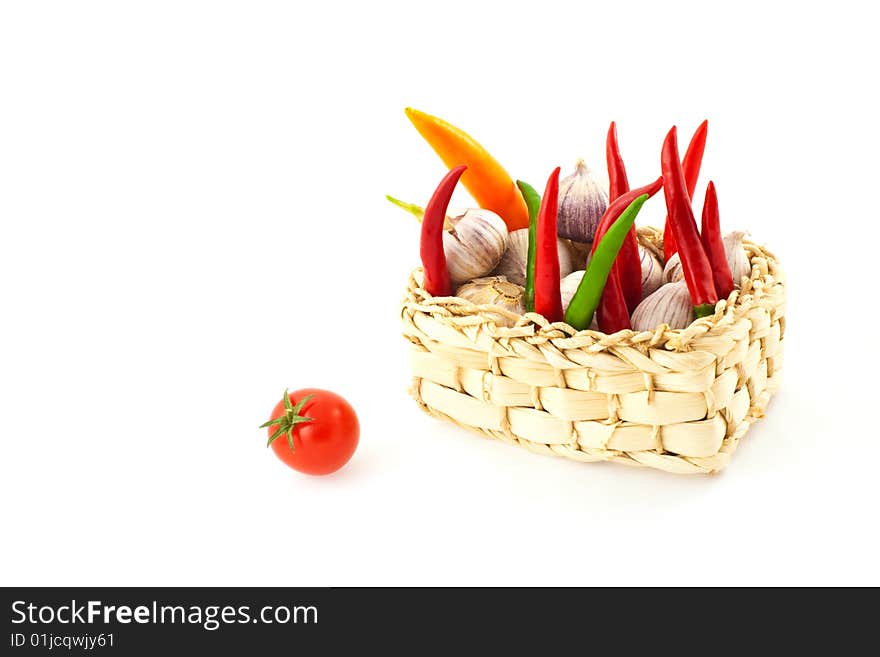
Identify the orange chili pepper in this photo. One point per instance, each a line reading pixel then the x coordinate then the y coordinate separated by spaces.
pixel 486 180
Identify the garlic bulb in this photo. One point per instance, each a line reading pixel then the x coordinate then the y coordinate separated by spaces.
pixel 582 202
pixel 671 304
pixel 737 258
pixel 672 271
pixel 474 243
pixel 494 291
pixel 652 272
pixel 513 262
pixel 568 286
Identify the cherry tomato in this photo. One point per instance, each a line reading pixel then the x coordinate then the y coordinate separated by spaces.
pixel 314 431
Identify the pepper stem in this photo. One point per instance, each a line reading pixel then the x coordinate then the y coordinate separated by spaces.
pixel 417 211
pixel 704 310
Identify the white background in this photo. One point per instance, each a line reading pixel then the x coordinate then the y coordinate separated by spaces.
pixel 192 213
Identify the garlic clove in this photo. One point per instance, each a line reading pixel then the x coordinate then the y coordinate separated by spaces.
pixel 672 271
pixel 737 258
pixel 474 243
pixel 568 286
pixel 495 291
pixel 670 304
pixel 582 202
pixel 513 262
pixel 652 272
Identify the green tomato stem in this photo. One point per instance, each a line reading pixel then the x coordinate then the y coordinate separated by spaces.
pixel 285 424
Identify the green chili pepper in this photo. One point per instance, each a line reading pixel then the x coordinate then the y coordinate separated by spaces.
pixel 586 298
pixel 533 203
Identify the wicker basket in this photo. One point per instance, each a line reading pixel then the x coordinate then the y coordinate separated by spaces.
pixel 675 400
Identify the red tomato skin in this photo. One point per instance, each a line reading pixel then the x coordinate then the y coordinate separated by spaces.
pixel 327 442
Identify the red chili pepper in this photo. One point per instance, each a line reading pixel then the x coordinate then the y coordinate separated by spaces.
pixel 612 314
pixel 618 205
pixel 694 263
pixel 713 244
pixel 693 158
pixel 548 299
pixel 628 264
pixel 617 182
pixel 629 267
pixel 437 281
pixel 609 301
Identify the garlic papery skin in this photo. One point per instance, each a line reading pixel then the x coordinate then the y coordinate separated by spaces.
pixel 580 252
pixel 652 272
pixel 568 286
pixel 495 291
pixel 474 243
pixel 673 272
pixel 582 202
pixel 671 304
pixel 513 262
pixel 737 258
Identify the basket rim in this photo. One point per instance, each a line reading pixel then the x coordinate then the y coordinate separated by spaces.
pixel 765 287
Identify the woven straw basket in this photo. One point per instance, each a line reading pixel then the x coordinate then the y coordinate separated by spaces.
pixel 675 400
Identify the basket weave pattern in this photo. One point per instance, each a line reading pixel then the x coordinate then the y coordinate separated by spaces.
pixel 675 400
